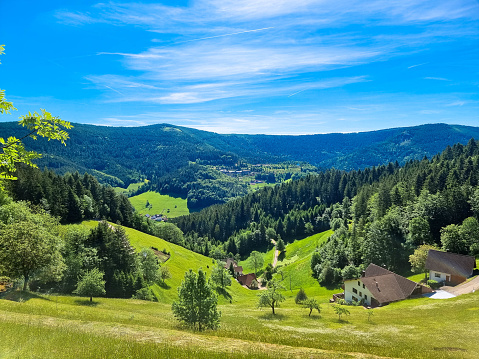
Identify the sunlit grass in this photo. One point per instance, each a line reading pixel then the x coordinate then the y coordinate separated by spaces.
pixel 54 327
pixel 160 204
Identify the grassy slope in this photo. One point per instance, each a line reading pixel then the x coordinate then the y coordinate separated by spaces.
pixel 131 187
pixel 160 203
pixel 69 327
pixel 180 261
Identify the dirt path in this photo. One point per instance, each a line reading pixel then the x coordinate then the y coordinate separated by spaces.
pixel 276 253
pixel 464 288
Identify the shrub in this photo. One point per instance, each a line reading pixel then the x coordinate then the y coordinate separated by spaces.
pixel 300 297
pixel 145 294
pixel 433 284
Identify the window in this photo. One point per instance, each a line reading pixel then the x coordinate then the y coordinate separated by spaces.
pixel 365 297
pixel 363 286
pixel 355 299
pixel 360 294
pixel 355 291
pixel 359 283
pixel 437 275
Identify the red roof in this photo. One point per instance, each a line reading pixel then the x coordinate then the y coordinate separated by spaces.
pixel 246 279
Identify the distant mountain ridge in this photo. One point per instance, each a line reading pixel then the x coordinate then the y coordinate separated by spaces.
pixel 121 155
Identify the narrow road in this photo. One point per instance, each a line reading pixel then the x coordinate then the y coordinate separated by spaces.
pixel 464 288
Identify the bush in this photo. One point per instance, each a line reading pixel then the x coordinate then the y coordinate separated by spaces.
pixel 300 297
pixel 433 284
pixel 145 294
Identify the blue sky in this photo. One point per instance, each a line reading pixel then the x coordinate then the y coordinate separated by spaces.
pixel 244 66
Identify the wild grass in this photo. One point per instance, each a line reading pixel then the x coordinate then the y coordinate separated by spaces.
pixel 159 203
pixel 50 326
pixel 67 327
pixel 131 187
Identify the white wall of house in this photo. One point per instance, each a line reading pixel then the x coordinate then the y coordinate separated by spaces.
pixel 355 288
pixel 438 276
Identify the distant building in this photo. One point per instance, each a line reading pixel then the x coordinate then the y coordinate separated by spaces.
pixel 248 280
pixel 379 286
pixel 449 268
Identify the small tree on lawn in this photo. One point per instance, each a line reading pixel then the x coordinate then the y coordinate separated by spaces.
pixel 418 259
pixel 256 259
pixel 300 297
pixel 221 276
pixel 272 296
pixel 91 284
pixel 312 304
pixel 149 265
pixel 196 305
pixel 340 310
pixel 164 273
pixel 370 314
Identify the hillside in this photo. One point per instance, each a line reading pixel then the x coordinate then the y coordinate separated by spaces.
pixel 122 155
pixel 180 261
pixel 68 327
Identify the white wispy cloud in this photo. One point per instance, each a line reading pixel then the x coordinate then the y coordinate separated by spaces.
pixel 214 50
pixel 436 78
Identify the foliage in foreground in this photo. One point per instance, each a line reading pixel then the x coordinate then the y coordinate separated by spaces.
pixel 196 305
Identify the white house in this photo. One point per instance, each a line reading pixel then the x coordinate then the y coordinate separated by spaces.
pixel 378 286
pixel 449 268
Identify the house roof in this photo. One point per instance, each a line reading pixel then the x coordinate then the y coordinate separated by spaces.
pixel 451 263
pixel 387 286
pixel 238 269
pixel 229 261
pixel 246 279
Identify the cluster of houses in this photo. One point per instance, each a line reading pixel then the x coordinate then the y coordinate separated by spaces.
pixel 236 173
pixel 157 217
pixel 249 280
pixel 378 286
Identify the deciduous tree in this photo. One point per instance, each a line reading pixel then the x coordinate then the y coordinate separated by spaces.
pixel 28 243
pixel 256 260
pixel 220 275
pixel 418 258
pixel 272 296
pixel 196 305
pixel 12 150
pixel 312 304
pixel 91 284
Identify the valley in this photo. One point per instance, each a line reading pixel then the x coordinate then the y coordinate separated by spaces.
pixel 132 328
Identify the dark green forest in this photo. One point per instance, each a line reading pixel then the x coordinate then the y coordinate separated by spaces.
pixel 380 214
pixel 164 154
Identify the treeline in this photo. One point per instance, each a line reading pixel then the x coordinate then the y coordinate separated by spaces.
pixel 73 198
pixel 200 185
pixel 433 202
pixel 38 252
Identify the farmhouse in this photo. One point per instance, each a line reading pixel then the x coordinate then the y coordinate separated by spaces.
pixel 378 286
pixel 248 280
pixel 238 270
pixel 449 268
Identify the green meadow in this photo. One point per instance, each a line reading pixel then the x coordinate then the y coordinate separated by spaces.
pixel 131 187
pixel 50 326
pixel 159 203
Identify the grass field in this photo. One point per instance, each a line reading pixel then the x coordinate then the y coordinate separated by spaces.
pixel 43 326
pixel 131 187
pixel 169 206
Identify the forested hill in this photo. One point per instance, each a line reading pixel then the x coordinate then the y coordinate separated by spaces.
pixel 121 155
